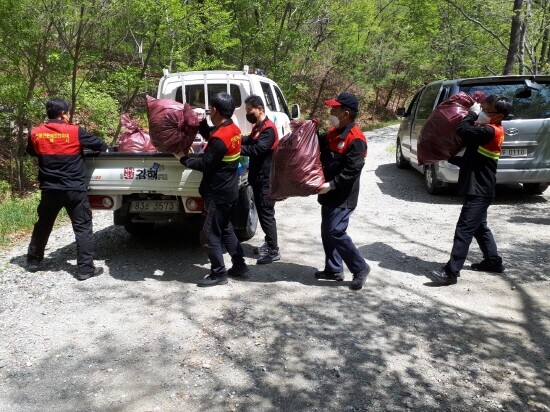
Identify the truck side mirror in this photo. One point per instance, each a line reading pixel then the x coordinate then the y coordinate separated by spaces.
pixel 400 112
pixel 294 112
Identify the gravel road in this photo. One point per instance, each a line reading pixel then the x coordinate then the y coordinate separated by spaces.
pixel 142 337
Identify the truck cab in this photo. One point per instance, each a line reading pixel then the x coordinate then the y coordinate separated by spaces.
pixel 197 88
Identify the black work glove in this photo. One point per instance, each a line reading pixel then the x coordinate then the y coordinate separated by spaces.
pixel 456 160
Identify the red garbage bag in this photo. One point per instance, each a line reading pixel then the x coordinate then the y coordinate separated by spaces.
pixel 438 139
pixel 133 138
pixel 172 125
pixel 296 168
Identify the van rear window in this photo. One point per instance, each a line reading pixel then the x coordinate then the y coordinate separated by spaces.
pixel 526 103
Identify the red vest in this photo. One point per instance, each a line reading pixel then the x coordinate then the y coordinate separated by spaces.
pixel 338 145
pixel 231 136
pixel 265 125
pixel 493 149
pixel 56 139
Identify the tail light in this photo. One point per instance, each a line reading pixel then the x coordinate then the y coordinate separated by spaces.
pixel 100 202
pixel 194 204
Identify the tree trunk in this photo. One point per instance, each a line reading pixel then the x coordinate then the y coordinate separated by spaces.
pixel 515 34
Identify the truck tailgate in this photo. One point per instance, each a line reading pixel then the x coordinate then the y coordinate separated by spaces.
pixel 124 173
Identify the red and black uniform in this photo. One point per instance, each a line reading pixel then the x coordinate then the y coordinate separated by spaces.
pixel 476 181
pixel 220 189
pixel 259 146
pixel 343 154
pixel 62 177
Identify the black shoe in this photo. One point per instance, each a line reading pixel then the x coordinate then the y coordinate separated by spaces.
pixel 212 280
pixel 271 256
pixel 33 266
pixel 261 250
pixel 96 272
pixel 441 277
pixel 484 266
pixel 359 279
pixel 325 275
pixel 238 271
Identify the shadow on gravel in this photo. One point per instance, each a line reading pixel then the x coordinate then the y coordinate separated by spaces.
pixel 290 351
pixel 408 185
pixel 393 259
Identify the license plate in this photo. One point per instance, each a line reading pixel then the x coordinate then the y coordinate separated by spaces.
pixel 514 152
pixel 155 206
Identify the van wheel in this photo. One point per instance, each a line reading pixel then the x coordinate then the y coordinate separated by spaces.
pixel 535 188
pixel 434 186
pixel 400 161
pixel 245 218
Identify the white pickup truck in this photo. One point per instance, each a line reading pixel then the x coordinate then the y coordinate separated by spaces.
pixel 145 189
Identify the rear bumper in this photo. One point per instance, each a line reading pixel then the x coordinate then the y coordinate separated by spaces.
pixel 449 174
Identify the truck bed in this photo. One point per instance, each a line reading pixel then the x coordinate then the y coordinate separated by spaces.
pixel 117 173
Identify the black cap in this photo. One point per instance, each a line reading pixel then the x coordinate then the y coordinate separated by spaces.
pixel 345 99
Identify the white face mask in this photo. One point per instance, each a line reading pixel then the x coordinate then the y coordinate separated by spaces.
pixel 334 120
pixel 482 118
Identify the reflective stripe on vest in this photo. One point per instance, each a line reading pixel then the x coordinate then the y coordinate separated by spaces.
pixel 230 135
pixel 493 149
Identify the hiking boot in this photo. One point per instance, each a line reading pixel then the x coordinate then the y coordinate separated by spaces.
pixel 485 266
pixel 96 272
pixel 359 279
pixel 212 280
pixel 238 271
pixel 261 250
pixel 272 255
pixel 441 277
pixel 326 275
pixel 33 265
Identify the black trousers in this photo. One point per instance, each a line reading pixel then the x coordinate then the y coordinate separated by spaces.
pixel 472 223
pixel 337 243
pixel 266 213
pixel 78 208
pixel 217 231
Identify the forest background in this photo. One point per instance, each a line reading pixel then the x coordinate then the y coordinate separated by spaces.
pixel 105 56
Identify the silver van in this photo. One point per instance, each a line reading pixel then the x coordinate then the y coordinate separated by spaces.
pixel 525 154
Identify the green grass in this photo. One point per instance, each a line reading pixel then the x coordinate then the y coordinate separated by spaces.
pixel 18 216
pixel 379 125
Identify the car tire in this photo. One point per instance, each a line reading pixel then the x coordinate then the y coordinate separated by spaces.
pixel 433 184
pixel 535 188
pixel 400 161
pixel 245 218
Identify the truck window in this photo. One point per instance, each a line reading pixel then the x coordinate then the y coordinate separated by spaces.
pixel 268 95
pixel 427 100
pixel 281 101
pixel 194 93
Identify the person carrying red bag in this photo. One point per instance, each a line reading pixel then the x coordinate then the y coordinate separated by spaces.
pixel 343 151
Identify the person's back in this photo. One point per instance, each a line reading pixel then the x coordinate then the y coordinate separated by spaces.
pixel 62 176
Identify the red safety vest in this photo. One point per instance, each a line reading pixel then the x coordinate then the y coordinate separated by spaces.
pixel 493 149
pixel 265 125
pixel 56 139
pixel 338 144
pixel 231 136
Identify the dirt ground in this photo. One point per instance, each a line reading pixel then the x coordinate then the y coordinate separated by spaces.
pixel 142 337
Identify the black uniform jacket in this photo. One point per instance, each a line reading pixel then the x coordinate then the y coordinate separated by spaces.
pixel 260 153
pixel 63 167
pixel 220 181
pixel 343 169
pixel 477 175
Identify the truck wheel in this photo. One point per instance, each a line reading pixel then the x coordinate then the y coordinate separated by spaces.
pixel 245 220
pixel 400 161
pixel 535 188
pixel 139 229
pixel 434 186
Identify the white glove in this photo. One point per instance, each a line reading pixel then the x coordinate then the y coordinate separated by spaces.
pixel 179 155
pixel 324 189
pixel 476 108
